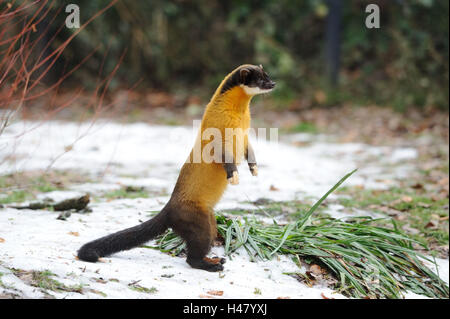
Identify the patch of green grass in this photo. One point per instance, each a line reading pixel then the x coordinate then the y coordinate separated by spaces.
pixel 411 208
pixel 142 289
pixel 367 260
pixel 363 198
pixel 171 122
pixel 19 187
pixel 33 182
pixel 304 127
pixel 127 192
pixel 445 168
pixel 43 280
pixel 44 186
pixel 17 196
pixel 98 292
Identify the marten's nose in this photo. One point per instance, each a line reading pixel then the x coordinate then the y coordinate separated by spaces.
pixel 271 84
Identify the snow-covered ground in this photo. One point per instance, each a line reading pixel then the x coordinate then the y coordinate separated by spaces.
pixel 139 154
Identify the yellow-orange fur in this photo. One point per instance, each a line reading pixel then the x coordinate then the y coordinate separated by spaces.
pixel 208 181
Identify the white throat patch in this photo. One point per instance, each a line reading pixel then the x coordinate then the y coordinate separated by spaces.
pixel 254 90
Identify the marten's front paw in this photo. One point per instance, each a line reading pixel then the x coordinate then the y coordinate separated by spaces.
pixel 234 180
pixel 254 170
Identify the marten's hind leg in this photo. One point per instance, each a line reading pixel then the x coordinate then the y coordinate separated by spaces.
pixel 196 257
pixel 195 229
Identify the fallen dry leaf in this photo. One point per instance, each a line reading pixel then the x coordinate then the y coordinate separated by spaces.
pixel 273 188
pixel 301 143
pixel 407 199
pixel 417 186
pixel 439 196
pixel 74 233
pixel 205 296
pixel 324 297
pixel 316 269
pixel 435 216
pixel 2 240
pixel 444 181
pixel 215 292
pixel 100 280
pixel 400 217
pixel 431 224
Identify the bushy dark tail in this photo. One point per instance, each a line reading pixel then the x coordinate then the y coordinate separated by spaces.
pixel 124 239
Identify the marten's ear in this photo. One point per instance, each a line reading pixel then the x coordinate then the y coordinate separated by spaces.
pixel 243 74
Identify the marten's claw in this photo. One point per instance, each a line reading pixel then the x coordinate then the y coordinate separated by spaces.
pixel 254 170
pixel 234 180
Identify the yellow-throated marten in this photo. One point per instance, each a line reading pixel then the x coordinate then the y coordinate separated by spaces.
pixel 201 183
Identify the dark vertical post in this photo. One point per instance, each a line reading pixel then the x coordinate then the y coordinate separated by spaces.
pixel 332 50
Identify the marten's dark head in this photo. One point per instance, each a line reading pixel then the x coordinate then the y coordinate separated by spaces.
pixel 252 78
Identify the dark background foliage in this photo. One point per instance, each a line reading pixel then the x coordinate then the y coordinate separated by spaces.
pixel 180 46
